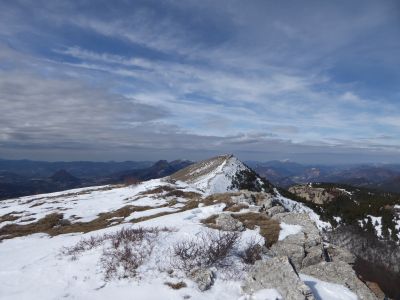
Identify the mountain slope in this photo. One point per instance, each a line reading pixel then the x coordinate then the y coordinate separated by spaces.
pixel 222 174
pixel 197 234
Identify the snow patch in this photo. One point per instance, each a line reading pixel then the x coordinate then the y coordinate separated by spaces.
pixel 288 229
pixel 264 294
pixel 323 290
pixel 295 206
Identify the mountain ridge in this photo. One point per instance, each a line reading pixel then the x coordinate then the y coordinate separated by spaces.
pixel 219 201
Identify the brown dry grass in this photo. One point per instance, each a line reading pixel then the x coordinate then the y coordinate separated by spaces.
pixel 269 228
pixel 236 207
pixel 210 221
pixel 9 217
pixel 52 224
pixel 176 286
pixel 158 190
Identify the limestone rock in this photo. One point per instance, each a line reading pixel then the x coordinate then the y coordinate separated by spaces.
pixel 313 194
pixel 275 210
pixel 336 253
pixel 314 255
pixel 303 248
pixel 342 273
pixel 254 198
pixel 228 223
pixel 311 235
pixel 294 251
pixel 204 278
pixel 279 274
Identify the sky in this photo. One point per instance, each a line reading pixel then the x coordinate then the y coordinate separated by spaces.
pixel 309 81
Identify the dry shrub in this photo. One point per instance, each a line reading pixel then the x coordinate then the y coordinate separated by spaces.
pixel 269 228
pixel 210 221
pixel 236 207
pixel 176 286
pixel 252 252
pixel 210 248
pixel 158 190
pixel 124 251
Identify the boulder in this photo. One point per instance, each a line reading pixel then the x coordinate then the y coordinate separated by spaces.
pixel 204 278
pixel 340 272
pixel 275 210
pixel 294 251
pixel 277 273
pixel 254 198
pixel 314 255
pixel 303 248
pixel 311 235
pixel 228 223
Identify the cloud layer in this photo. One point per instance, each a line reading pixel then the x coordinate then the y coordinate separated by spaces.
pixel 309 81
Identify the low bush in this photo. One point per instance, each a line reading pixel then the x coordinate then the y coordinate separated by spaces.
pixel 210 248
pixel 252 252
pixel 124 251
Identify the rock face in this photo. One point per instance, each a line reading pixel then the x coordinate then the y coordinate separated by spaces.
pixel 275 210
pixel 277 273
pixel 228 223
pixel 342 273
pixel 264 200
pixel 336 253
pixel 312 194
pixel 303 248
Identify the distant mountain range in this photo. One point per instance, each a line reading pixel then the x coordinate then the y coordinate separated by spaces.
pixel 384 177
pixel 25 177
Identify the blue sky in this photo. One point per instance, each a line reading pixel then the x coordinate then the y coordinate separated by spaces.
pixel 310 81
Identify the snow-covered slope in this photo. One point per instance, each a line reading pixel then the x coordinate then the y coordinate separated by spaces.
pixel 73 256
pixel 221 174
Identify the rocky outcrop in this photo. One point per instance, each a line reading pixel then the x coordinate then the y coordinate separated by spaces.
pixel 336 253
pixel 341 273
pixel 228 223
pixel 312 194
pixel 277 273
pixel 272 211
pixel 304 248
pixel 263 200
pixel 313 255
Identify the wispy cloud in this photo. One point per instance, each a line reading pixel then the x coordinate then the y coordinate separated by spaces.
pixel 183 78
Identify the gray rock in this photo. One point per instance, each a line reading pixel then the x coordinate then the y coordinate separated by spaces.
pixel 312 194
pixel 228 223
pixel 294 251
pixel 254 198
pixel 275 210
pixel 204 278
pixel 341 273
pixel 277 273
pixel 311 236
pixel 303 248
pixel 336 253
pixel 314 255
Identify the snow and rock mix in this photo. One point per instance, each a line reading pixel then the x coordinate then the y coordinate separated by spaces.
pixel 170 238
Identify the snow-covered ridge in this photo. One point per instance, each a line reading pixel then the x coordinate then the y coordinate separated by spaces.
pixel 212 176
